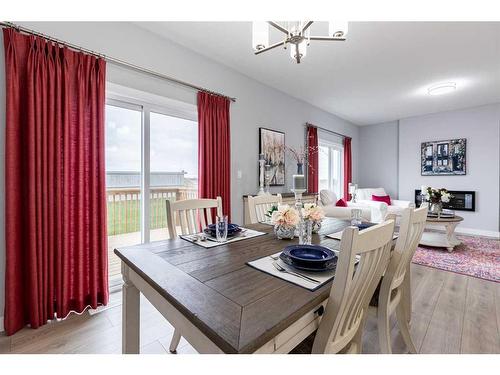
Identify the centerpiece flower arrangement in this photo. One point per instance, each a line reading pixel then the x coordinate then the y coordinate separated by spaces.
pixel 436 197
pixel 285 220
pixel 315 214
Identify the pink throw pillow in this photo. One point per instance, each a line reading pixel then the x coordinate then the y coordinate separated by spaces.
pixel 341 203
pixel 382 198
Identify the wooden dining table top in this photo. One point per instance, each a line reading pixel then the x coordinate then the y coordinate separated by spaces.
pixel 239 308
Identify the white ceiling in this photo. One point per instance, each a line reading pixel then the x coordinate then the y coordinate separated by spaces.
pixel 380 73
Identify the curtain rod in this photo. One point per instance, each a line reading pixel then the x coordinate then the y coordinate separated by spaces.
pixel 326 130
pixel 113 60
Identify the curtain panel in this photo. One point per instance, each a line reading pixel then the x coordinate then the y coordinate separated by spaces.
pixel 347 167
pixel 312 159
pixel 56 244
pixel 214 149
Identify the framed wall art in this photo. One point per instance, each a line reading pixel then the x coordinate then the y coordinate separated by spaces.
pixel 443 157
pixel 272 145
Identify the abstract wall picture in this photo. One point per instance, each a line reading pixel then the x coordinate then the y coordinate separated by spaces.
pixel 272 145
pixel 443 157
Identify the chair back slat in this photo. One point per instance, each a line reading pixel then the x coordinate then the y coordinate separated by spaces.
pixel 259 205
pixel 353 286
pixel 191 215
pixel 412 226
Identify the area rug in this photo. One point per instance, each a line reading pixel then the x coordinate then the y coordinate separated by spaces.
pixel 476 256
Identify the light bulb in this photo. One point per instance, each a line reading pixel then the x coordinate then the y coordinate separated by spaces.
pixel 260 35
pixel 338 28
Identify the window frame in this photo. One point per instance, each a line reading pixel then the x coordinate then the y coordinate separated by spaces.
pixel 338 147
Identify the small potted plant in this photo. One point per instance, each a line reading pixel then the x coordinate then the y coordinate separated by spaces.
pixel 436 198
pixel 315 214
pixel 285 220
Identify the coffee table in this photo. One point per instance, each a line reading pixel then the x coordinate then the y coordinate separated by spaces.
pixel 448 239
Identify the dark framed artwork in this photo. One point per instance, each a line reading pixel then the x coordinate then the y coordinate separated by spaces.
pixel 446 158
pixel 272 145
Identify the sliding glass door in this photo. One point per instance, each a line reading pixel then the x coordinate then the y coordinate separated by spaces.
pixel 151 156
pixel 173 165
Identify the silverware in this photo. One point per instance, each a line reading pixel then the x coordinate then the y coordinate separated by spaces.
pixel 274 257
pixel 282 269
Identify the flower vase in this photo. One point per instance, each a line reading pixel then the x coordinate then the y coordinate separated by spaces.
pixel 284 232
pixel 436 208
pixel 300 170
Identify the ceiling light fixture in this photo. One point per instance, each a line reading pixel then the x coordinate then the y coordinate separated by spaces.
pixel 297 36
pixel 442 88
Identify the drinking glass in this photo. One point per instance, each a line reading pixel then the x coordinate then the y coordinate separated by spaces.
pixel 356 216
pixel 221 228
pixel 307 234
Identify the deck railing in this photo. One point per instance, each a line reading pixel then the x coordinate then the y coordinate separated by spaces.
pixel 124 207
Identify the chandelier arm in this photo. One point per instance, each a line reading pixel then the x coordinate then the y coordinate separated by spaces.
pixel 306 26
pixel 326 38
pixel 270 47
pixel 278 26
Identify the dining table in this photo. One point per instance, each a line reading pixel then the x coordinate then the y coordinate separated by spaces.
pixel 215 300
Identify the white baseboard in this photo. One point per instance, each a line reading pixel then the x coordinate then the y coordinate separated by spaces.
pixel 469 231
pixel 1 324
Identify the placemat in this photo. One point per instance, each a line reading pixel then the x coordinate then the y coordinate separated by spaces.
pixel 265 264
pixel 212 242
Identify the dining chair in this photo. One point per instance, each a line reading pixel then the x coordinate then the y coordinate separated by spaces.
pixel 192 216
pixel 259 205
pixel 341 327
pixel 394 292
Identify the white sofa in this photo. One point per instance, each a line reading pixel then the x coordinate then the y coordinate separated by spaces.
pixel 364 196
pixel 371 211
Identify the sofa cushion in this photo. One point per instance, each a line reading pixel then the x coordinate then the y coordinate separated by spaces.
pixel 366 194
pixel 382 198
pixel 341 203
pixel 327 197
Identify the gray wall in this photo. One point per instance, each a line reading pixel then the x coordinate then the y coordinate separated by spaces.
pixel 257 104
pixel 393 161
pixel 378 167
pixel 481 127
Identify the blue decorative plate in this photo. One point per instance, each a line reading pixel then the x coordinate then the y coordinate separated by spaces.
pixel 326 266
pixel 309 257
pixel 364 225
pixel 232 229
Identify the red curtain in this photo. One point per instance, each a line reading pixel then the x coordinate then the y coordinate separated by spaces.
pixel 312 159
pixel 347 167
pixel 56 244
pixel 214 159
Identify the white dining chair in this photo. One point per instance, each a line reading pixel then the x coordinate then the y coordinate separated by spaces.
pixel 394 292
pixel 341 327
pixel 191 216
pixel 259 205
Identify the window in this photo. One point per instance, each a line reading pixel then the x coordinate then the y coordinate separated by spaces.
pixel 151 152
pixel 330 164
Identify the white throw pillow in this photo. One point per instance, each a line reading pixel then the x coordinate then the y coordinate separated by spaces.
pixel 366 194
pixel 327 197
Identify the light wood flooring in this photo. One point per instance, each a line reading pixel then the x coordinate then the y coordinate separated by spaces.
pixel 452 313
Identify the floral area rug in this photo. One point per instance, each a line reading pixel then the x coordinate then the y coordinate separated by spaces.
pixel 476 256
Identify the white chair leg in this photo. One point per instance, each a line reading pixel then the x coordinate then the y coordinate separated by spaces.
pixel 404 328
pixel 384 333
pixel 175 341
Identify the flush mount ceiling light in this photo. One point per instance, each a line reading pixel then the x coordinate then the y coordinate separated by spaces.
pixel 442 88
pixel 297 36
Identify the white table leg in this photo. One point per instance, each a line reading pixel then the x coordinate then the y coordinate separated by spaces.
pixel 450 236
pixel 130 316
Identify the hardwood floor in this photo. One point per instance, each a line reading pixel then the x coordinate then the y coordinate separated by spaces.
pixel 452 313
